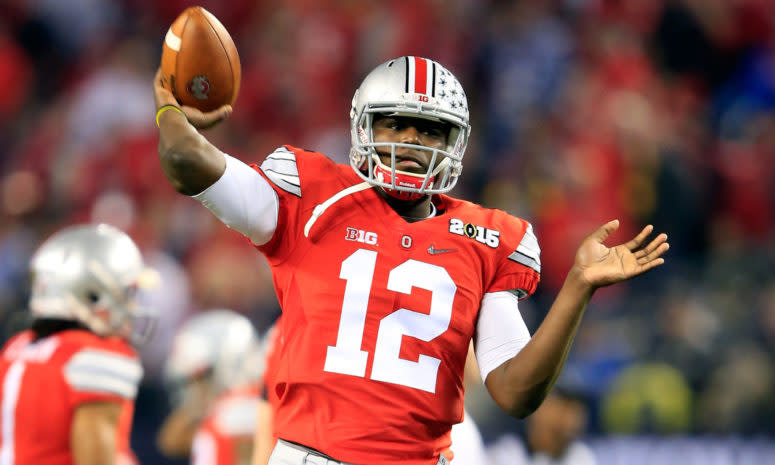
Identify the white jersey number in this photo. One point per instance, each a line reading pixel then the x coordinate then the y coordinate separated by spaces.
pixel 11 388
pixel 346 357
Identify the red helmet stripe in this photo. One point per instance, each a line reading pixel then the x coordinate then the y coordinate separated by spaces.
pixel 420 75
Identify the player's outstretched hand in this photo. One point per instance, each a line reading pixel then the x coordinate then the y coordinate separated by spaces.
pixel 198 119
pixel 601 265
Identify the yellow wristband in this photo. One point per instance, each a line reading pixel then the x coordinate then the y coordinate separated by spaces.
pixel 165 108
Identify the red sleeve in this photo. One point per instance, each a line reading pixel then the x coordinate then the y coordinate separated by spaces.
pixel 271 362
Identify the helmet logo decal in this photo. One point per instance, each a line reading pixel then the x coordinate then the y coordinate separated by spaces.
pixel 451 92
pixel 199 87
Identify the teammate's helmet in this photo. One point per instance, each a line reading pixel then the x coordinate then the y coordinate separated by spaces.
pixel 91 274
pixel 220 344
pixel 414 87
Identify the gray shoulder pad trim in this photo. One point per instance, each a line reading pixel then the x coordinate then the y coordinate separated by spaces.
pixel 102 371
pixel 280 167
pixel 528 253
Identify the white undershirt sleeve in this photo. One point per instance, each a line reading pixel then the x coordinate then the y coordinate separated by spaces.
pixel 500 331
pixel 243 201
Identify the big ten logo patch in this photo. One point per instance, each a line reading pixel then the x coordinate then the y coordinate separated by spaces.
pixel 359 235
pixel 489 237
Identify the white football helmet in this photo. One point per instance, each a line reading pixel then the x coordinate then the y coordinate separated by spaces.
pixel 91 274
pixel 413 87
pixel 220 344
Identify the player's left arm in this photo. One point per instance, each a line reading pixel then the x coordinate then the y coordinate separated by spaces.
pixel 94 433
pixel 520 384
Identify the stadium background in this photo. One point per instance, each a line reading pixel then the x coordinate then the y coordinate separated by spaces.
pixel 650 111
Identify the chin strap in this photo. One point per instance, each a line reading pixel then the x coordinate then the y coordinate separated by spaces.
pixel 384 174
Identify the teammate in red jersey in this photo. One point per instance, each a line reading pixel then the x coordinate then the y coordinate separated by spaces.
pixel 68 384
pixel 213 372
pixel 383 279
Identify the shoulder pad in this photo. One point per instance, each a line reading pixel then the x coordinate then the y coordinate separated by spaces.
pixel 103 371
pixel 528 253
pixel 281 168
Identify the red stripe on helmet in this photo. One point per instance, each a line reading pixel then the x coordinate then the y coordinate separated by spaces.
pixel 420 75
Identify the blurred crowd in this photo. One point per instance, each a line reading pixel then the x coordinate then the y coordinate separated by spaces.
pixel 650 111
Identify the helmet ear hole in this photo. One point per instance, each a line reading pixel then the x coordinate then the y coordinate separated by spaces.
pixel 92 297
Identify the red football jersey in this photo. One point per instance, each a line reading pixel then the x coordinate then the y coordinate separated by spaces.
pixel 229 425
pixel 378 312
pixel 271 360
pixel 43 382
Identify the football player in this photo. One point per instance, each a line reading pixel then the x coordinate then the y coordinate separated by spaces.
pixel 384 279
pixel 212 373
pixel 68 383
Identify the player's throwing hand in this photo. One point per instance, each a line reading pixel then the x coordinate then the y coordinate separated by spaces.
pixel 197 118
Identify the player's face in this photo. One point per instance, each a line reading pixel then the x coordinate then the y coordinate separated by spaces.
pixel 407 130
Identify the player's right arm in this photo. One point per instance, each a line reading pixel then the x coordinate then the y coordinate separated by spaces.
pixel 94 433
pixel 177 432
pixel 232 190
pixel 190 162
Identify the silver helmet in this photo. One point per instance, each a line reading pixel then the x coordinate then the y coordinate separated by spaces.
pixel 91 274
pixel 414 87
pixel 221 344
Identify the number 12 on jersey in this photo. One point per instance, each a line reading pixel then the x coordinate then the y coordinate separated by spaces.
pixel 347 358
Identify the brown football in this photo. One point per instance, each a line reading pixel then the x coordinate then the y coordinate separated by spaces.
pixel 199 61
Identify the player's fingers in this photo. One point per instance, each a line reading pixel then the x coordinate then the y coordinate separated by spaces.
pixel 650 265
pixel 206 120
pixel 635 242
pixel 651 246
pixel 605 230
pixel 654 255
pixel 220 114
pixel 161 94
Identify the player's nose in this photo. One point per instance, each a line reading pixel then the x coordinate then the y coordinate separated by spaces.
pixel 409 135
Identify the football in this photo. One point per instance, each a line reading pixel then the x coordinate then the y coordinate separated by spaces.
pixel 199 61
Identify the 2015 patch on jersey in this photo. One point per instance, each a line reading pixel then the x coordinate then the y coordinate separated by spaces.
pixel 280 167
pixel 489 237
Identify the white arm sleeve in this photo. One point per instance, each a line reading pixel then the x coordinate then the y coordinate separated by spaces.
pixel 500 331
pixel 243 201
